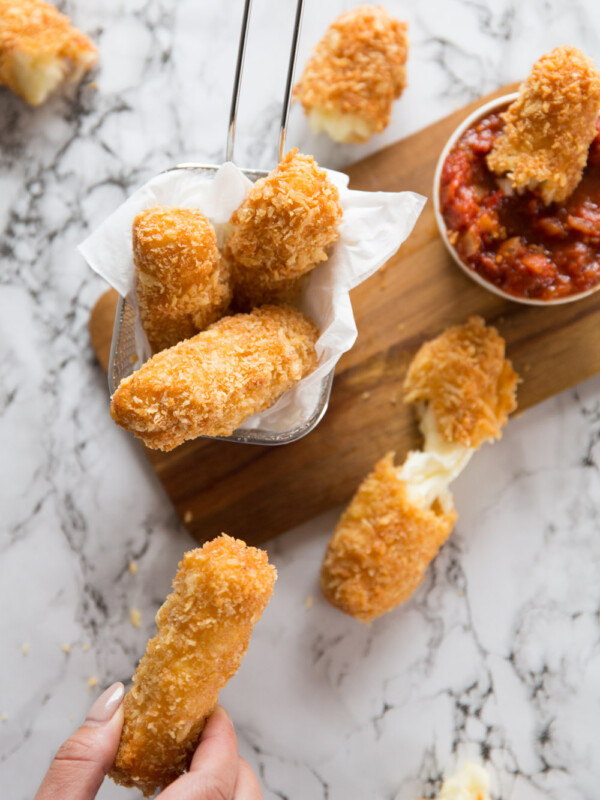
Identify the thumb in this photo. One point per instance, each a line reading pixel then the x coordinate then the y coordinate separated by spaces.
pixel 84 759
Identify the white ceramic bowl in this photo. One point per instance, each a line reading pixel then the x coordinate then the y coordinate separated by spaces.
pixel 494 105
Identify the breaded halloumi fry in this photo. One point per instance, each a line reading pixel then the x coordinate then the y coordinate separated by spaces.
pixel 182 279
pixel 282 230
pixel 40 49
pixel 466 380
pixel 550 126
pixel 355 73
pixel 209 384
pixel 381 546
pixel 400 516
pixel 203 631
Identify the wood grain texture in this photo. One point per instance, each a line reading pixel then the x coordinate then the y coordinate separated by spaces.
pixel 257 492
pixel 101 324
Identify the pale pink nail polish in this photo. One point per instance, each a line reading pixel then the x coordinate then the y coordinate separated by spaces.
pixel 106 705
pixel 220 711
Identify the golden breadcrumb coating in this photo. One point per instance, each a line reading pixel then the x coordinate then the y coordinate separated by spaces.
pixel 282 229
pixel 466 380
pixel 182 279
pixel 550 126
pixel 39 49
pixel 381 546
pixel 203 631
pixel 356 72
pixel 209 384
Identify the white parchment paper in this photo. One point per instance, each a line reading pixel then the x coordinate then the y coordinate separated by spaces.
pixel 373 227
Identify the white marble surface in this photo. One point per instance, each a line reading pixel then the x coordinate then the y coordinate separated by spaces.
pixel 496 656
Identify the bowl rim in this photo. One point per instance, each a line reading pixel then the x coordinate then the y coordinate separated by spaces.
pixel 480 112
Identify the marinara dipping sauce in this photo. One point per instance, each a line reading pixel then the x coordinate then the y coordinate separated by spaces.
pixel 514 241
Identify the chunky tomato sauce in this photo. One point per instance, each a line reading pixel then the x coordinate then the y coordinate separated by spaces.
pixel 514 241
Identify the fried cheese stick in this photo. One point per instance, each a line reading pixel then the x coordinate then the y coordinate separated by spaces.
pixel 356 72
pixel 467 383
pixel 203 631
pixel 382 545
pixel 182 279
pixel 282 231
pixel 40 49
pixel 550 126
pixel 209 384
pixel 400 516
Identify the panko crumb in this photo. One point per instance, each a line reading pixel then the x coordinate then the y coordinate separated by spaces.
pixel 133 567
pixel 550 126
pixel 4 717
pixel 188 517
pixel 66 648
pixel 92 681
pixel 25 648
pixel 309 602
pixel 40 49
pixel 135 615
pixel 355 73
pixel 85 646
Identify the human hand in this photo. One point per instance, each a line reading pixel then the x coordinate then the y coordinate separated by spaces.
pixel 217 772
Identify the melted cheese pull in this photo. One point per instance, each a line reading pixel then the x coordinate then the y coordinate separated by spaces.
pixel 342 128
pixel 471 783
pixel 427 473
pixel 37 75
pixel 40 49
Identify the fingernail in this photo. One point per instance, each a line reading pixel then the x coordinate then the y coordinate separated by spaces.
pixel 223 712
pixel 106 705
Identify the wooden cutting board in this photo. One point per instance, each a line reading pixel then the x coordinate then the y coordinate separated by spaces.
pixel 256 492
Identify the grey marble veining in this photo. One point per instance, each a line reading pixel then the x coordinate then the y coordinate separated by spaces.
pixel 495 658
